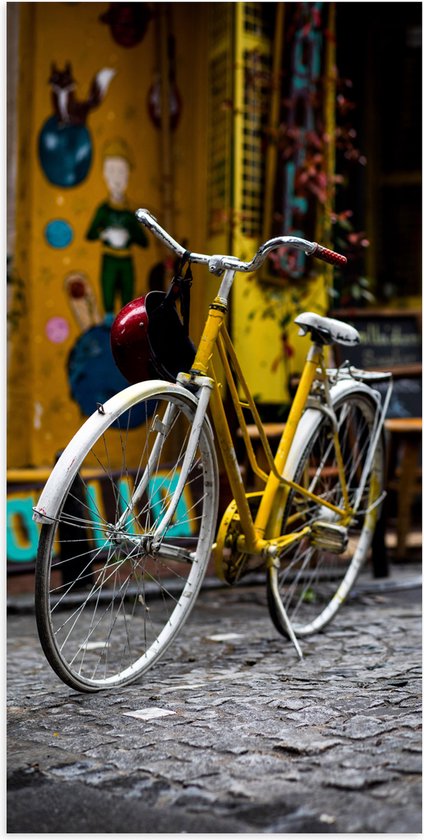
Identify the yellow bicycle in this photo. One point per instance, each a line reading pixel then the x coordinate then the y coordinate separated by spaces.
pixel 129 513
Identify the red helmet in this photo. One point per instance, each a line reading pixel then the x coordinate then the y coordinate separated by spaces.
pixel 149 339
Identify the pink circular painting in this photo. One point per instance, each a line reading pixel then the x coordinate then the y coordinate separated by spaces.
pixel 57 329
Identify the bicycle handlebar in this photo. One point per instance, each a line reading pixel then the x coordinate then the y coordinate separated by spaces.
pixel 218 263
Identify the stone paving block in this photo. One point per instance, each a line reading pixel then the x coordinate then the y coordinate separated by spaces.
pixel 257 742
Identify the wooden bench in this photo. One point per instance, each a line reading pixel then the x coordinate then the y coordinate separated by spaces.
pixel 404 472
pixel 391 340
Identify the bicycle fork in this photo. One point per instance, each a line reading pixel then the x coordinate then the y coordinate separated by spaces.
pixel 199 417
pixel 161 427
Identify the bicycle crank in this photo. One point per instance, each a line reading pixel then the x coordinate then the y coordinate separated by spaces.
pixel 230 563
pixel 328 536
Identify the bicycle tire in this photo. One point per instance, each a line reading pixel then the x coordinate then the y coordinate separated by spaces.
pixel 312 583
pixel 109 601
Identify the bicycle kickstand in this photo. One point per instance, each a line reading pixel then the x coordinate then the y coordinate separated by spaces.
pixel 283 613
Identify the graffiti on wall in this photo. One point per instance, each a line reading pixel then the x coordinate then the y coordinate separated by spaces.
pixel 23 532
pixel 306 59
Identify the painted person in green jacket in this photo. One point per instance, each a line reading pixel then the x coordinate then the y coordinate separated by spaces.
pixel 115 224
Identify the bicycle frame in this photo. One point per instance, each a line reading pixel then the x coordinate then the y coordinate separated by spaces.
pixel 258 536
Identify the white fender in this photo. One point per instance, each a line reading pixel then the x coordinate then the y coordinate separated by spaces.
pixel 72 457
pixel 312 416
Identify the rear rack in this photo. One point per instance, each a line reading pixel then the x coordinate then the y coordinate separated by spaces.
pixel 348 371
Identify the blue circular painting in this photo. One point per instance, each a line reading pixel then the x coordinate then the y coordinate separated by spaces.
pixel 94 377
pixel 65 152
pixel 58 233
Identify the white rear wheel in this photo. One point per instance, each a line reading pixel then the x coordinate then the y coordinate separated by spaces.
pixel 314 579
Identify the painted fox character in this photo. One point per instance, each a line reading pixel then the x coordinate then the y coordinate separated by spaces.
pixel 69 110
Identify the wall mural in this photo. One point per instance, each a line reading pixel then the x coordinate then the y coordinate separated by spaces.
pixel 64 144
pixel 59 233
pixel 115 225
pixel 81 230
pixel 82 300
pixel 65 152
pixel 92 373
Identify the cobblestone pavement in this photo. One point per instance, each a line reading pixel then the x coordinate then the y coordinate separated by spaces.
pixel 255 741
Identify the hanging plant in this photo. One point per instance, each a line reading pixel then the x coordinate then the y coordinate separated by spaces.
pixel 312 182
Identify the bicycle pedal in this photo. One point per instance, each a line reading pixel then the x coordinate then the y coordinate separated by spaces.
pixel 328 536
pixel 233 566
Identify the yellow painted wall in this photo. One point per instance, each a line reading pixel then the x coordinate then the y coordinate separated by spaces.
pixel 42 416
pixel 257 336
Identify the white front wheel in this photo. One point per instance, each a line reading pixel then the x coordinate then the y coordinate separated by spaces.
pixel 110 595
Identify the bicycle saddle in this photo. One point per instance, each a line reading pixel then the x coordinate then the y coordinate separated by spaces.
pixel 326 330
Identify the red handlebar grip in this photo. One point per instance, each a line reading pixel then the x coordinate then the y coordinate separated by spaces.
pixel 328 256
